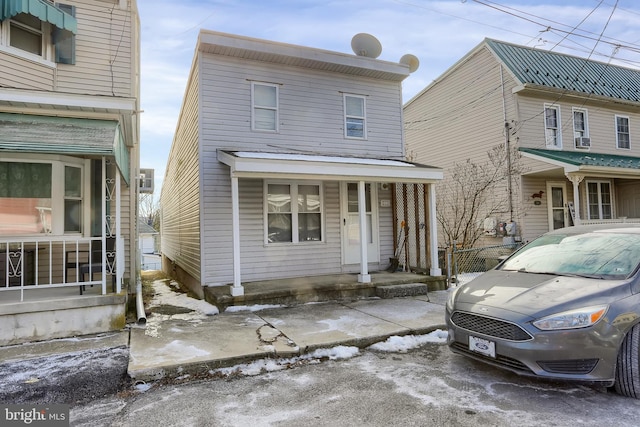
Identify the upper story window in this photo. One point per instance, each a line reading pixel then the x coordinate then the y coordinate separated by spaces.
pixel 41 197
pixel 552 131
pixel 355 125
pixel 294 212
pixel 622 132
pixel 264 101
pixel 581 128
pixel 25 34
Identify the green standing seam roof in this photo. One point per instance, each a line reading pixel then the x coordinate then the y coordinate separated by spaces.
pixel 42 10
pixel 551 69
pixel 587 159
pixel 22 133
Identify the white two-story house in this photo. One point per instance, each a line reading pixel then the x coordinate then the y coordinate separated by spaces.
pixel 570 120
pixel 69 155
pixel 283 164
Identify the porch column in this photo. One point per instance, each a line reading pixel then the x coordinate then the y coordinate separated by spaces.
pixel 576 180
pixel 237 289
pixel 119 246
pixel 364 276
pixel 433 236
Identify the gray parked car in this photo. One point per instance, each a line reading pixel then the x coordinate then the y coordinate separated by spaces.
pixel 565 306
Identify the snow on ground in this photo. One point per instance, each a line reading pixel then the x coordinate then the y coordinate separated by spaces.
pixel 393 344
pixel 255 307
pixel 164 295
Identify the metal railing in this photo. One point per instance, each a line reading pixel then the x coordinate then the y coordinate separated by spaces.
pixel 46 263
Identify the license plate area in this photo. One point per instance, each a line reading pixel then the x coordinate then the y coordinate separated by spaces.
pixel 482 346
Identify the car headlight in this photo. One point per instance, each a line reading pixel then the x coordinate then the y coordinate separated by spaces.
pixel 580 318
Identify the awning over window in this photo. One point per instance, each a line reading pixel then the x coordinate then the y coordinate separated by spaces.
pixel 42 10
pixel 245 164
pixel 22 133
pixel 587 163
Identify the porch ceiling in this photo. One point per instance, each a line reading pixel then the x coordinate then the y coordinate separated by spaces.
pixel 246 164
pixel 588 163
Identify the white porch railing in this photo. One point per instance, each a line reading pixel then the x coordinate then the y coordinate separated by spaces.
pixel 46 263
pixel 623 220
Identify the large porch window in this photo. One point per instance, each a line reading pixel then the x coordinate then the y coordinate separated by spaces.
pixel 599 203
pixel 294 212
pixel 40 197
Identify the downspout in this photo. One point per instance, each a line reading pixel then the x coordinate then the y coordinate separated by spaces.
pixel 141 315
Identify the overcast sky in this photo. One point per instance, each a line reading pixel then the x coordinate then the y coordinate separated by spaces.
pixel 439 33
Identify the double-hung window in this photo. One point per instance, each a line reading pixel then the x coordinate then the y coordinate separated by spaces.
pixel 264 101
pixel 599 202
pixel 293 212
pixel 622 132
pixel 355 124
pixel 552 129
pixel 581 128
pixel 26 35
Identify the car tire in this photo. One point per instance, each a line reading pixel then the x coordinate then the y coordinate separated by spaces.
pixel 628 366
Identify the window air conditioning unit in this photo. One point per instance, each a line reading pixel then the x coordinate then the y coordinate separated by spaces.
pixel 583 142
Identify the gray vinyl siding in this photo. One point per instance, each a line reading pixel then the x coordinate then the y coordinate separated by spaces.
pixel 311 110
pixel 104 56
pixel 180 198
pixel 311 121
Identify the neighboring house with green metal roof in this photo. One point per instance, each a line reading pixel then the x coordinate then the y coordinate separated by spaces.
pixel 571 120
pixel 69 158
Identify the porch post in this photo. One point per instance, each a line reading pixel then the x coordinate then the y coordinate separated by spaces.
pixel 118 247
pixel 103 240
pixel 433 235
pixel 364 276
pixel 576 180
pixel 237 289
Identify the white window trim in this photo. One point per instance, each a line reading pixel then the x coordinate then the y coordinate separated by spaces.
pixel 615 125
pixel 294 212
pixel 57 187
pixel 611 190
pixel 558 145
pixel 47 45
pixel 585 113
pixel 364 117
pixel 254 106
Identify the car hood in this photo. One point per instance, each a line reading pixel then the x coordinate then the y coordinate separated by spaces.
pixel 537 294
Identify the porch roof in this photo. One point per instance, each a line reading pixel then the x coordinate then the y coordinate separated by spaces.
pixel 246 164
pixel 23 133
pixel 590 163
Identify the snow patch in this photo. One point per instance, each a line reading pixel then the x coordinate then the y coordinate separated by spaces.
pixel 405 343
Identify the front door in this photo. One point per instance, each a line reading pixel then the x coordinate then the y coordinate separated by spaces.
pixel 557 205
pixel 351 223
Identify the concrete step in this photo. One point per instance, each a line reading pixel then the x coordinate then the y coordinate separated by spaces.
pixel 401 290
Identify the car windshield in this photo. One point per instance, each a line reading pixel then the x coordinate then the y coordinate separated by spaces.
pixel 598 255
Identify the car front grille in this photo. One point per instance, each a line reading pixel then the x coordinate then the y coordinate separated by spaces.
pixel 502 361
pixel 489 326
pixel 570 367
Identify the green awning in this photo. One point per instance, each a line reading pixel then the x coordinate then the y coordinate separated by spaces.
pixel 40 9
pixel 587 161
pixel 22 133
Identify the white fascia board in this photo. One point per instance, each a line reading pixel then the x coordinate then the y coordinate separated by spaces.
pixel 299 169
pixel 98 102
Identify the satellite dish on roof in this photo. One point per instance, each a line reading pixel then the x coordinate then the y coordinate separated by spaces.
pixel 364 44
pixel 410 60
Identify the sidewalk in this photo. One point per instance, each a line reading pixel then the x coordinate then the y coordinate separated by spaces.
pixel 176 345
pixel 191 342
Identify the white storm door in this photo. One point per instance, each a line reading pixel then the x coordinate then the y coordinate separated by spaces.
pixel 557 205
pixel 351 223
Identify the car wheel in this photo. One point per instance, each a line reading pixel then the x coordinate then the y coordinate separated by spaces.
pixel 628 369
